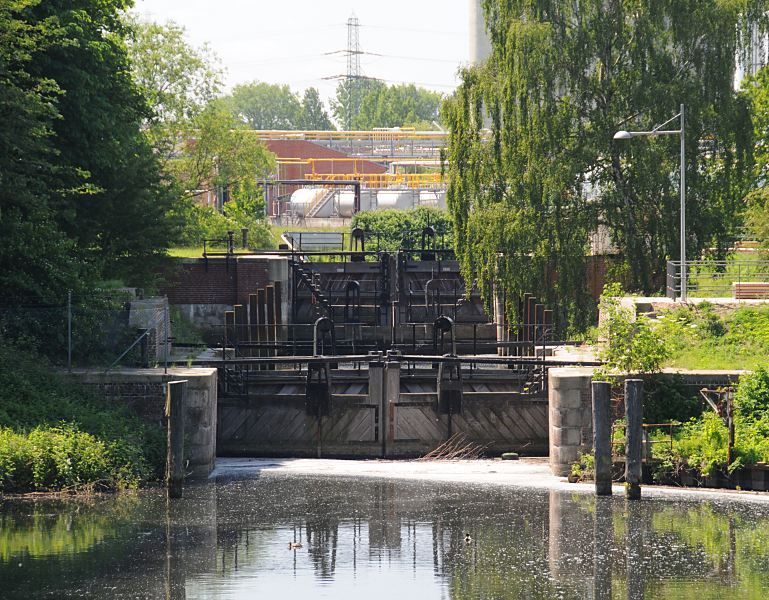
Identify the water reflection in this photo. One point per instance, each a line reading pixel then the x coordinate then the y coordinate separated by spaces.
pixel 348 538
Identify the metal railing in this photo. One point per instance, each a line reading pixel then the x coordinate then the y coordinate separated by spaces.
pixel 719 278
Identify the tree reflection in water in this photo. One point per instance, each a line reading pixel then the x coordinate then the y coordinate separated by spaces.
pixel 383 539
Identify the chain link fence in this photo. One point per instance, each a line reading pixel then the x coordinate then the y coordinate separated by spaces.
pixel 108 330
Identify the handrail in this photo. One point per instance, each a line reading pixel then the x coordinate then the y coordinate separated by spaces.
pixel 418 358
pixel 710 277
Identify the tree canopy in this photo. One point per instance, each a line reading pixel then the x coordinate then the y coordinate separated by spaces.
pixel 82 192
pixel 177 79
pixel 756 91
pixel 564 76
pixel 204 147
pixel 369 103
pixel 268 106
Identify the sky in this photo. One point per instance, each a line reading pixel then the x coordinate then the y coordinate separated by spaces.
pixel 302 42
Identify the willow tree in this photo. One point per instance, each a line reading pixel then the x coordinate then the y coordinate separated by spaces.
pixel 562 77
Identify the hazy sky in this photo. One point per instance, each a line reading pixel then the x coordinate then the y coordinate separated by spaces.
pixel 301 42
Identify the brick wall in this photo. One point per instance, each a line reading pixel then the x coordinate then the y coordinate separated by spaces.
pixel 218 282
pixel 146 399
pixel 252 274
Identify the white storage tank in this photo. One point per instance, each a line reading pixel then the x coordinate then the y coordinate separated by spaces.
pixel 303 198
pixel 345 203
pixel 400 199
pixel 434 198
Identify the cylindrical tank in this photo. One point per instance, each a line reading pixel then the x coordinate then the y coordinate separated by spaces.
pixel 480 47
pixel 400 199
pixel 302 198
pixel 346 200
pixel 436 198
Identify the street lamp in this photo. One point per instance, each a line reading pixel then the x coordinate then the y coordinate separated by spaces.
pixel 626 135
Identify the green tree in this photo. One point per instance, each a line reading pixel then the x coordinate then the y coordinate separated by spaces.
pixel 108 196
pixel 222 155
pixel 266 106
pixel 349 96
pixel 561 79
pixel 178 80
pixel 399 106
pixel 380 105
pixel 756 91
pixel 36 262
pixel 313 114
pixel 226 158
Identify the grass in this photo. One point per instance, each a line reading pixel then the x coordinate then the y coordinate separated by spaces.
pixel 705 282
pixel 699 337
pixel 715 358
pixel 182 252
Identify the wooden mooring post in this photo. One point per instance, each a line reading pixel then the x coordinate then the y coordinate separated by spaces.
pixel 602 436
pixel 634 392
pixel 176 393
pixel 376 398
pixel 392 392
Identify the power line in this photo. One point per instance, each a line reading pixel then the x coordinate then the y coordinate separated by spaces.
pixel 412 30
pixel 378 54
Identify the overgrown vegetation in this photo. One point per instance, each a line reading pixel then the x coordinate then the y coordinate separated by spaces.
pixel 631 345
pixel 207 223
pixel 698 336
pixel 56 435
pixel 403 228
pixel 702 443
pixel 693 336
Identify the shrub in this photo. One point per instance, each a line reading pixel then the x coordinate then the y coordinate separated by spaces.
pixel 666 400
pixel 54 433
pixel 207 223
pixel 402 228
pixel 55 458
pixel 752 397
pixel 703 443
pixel 632 345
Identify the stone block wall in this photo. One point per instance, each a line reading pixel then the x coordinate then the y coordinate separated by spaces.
pixel 571 408
pixel 144 392
pixel 571 417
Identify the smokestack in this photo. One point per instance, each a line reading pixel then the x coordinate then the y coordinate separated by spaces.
pixel 480 47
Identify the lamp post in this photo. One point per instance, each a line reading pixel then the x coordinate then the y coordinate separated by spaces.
pixel 626 135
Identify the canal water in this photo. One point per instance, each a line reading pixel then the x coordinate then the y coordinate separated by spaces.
pixel 368 539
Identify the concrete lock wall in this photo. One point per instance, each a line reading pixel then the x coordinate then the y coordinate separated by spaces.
pixel 143 391
pixel 571 407
pixel 571 416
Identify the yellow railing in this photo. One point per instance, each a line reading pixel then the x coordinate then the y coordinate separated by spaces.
pixel 405 134
pixel 384 180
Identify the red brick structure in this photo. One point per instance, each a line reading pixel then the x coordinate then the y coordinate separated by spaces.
pixel 313 159
pixel 217 280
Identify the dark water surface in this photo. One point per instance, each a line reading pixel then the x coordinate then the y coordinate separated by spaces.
pixel 368 539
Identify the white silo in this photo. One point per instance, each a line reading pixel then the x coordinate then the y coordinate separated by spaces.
pixel 480 46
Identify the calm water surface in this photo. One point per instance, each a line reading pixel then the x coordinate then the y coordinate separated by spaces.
pixel 367 539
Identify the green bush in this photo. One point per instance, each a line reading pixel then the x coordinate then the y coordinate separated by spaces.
pixel 403 228
pixel 703 443
pixel 56 458
pixel 206 223
pixel 632 345
pixel 666 400
pixel 54 433
pixel 752 397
